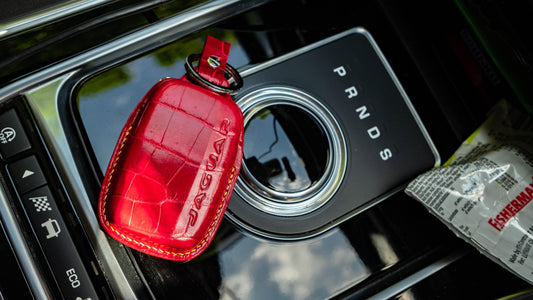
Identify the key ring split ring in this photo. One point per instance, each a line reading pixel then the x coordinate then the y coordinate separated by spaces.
pixel 233 75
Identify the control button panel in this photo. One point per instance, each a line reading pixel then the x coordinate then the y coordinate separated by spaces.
pixel 13 138
pixel 59 248
pixel 23 157
pixel 26 174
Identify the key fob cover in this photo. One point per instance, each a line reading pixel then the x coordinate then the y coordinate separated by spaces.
pixel 173 170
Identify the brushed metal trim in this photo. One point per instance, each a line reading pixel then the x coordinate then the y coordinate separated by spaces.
pixel 46 113
pixel 35 280
pixel 409 281
pixel 47 15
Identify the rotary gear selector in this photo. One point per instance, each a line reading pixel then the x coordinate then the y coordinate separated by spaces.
pixel 329 132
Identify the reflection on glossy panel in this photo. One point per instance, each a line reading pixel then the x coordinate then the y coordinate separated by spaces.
pixel 312 269
pixel 238 266
pixel 285 149
pixel 112 95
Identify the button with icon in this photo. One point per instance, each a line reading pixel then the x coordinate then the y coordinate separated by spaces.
pixel 26 174
pixel 52 228
pixel 58 246
pixel 13 138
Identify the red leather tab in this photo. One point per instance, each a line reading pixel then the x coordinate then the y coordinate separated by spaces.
pixel 173 170
pixel 215 50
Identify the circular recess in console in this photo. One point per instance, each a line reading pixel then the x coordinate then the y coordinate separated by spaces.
pixel 294 152
pixel 286 151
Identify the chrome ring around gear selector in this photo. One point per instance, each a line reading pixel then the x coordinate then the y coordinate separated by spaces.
pixel 294 152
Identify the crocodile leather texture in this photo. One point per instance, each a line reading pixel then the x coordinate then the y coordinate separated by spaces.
pixel 173 170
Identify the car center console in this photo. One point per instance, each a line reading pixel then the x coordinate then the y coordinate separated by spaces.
pixel 343 104
pixel 42 206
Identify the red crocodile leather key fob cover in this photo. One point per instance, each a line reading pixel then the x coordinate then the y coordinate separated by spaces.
pixel 175 165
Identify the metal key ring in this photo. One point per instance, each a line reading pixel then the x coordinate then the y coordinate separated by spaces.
pixel 230 71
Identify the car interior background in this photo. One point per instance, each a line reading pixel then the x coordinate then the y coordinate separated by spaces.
pixel 337 224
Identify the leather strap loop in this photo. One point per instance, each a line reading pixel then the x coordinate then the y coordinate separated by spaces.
pixel 214 50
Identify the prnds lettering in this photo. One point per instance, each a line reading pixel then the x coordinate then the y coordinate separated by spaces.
pixel 352 92
pixel 512 208
pixel 374 132
pixel 363 113
pixel 341 71
pixel 207 177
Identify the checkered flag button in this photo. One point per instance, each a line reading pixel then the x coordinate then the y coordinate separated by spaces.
pixel 41 203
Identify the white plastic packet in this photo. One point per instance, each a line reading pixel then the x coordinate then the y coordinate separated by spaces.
pixel 483 192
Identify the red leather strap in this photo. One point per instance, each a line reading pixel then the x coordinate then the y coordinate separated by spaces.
pixel 219 50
